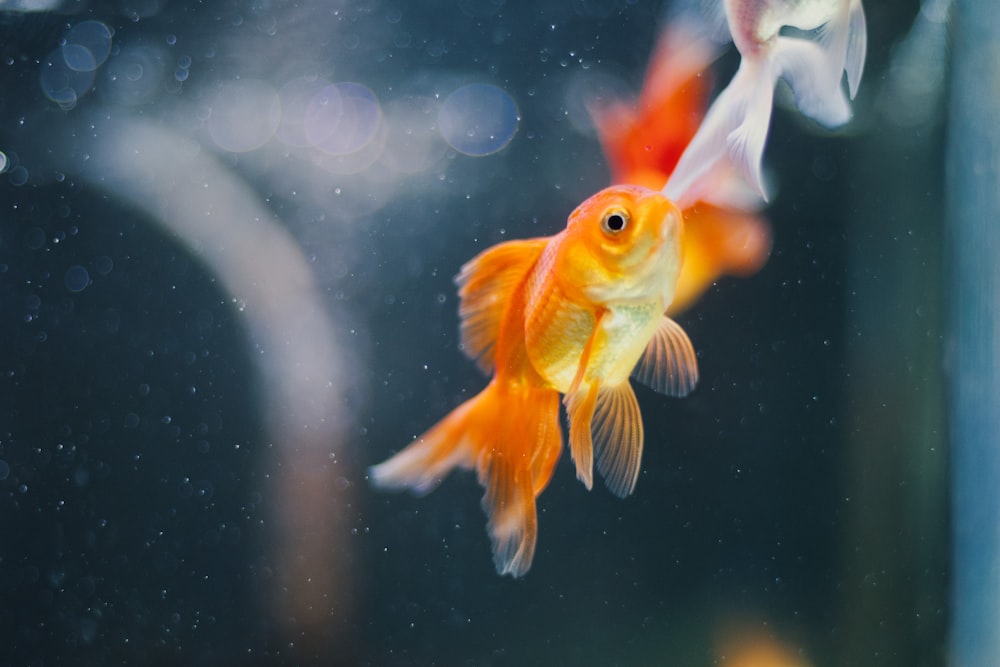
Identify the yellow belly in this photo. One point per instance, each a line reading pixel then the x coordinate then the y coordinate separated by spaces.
pixel 557 332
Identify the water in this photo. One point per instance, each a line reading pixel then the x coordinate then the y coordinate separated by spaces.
pixel 223 295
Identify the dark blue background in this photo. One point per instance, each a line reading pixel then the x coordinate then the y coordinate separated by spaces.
pixel 133 520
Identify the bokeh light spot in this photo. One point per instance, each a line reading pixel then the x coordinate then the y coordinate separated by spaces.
pixel 87 46
pixel 478 119
pixel 104 265
pixel 296 96
pixel 77 278
pixel 342 118
pixel 63 85
pixel 245 115
pixel 18 175
pixel 322 115
pixel 79 58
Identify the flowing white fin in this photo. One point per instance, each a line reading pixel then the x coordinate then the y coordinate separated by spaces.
pixel 734 130
pixel 736 126
pixel 815 83
pixel 857 46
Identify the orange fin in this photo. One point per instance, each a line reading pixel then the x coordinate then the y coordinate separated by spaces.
pixel 509 503
pixel 740 242
pixel 617 433
pixel 517 449
pixel 717 242
pixel 668 365
pixel 642 140
pixel 580 400
pixel 422 465
pixel 548 443
pixel 486 284
pixel 512 437
pixel 580 410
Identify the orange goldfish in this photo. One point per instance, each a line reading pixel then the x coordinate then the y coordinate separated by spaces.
pixel 575 313
pixel 643 143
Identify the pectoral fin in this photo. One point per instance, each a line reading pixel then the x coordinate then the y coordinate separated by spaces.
pixel 668 365
pixel 617 434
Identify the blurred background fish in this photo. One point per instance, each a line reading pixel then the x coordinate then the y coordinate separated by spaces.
pixel 827 38
pixel 723 234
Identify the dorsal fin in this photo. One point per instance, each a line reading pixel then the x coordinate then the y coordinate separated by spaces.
pixel 485 285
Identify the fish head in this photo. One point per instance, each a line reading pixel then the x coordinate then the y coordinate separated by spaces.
pixel 624 244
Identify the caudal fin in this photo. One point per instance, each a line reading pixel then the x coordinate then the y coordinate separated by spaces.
pixel 736 126
pixel 512 437
pixel 422 465
pixel 734 130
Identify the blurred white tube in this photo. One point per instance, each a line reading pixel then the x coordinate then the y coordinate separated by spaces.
pixel 196 198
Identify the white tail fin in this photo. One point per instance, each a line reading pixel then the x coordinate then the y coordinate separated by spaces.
pixel 857 46
pixel 736 125
pixel 805 67
pixel 735 128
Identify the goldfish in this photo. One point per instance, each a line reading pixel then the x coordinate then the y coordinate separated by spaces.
pixel 575 314
pixel 754 643
pixel 737 123
pixel 643 143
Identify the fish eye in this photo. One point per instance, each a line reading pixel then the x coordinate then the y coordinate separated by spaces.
pixel 614 221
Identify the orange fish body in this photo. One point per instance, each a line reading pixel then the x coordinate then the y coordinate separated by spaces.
pixel 643 144
pixel 576 314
